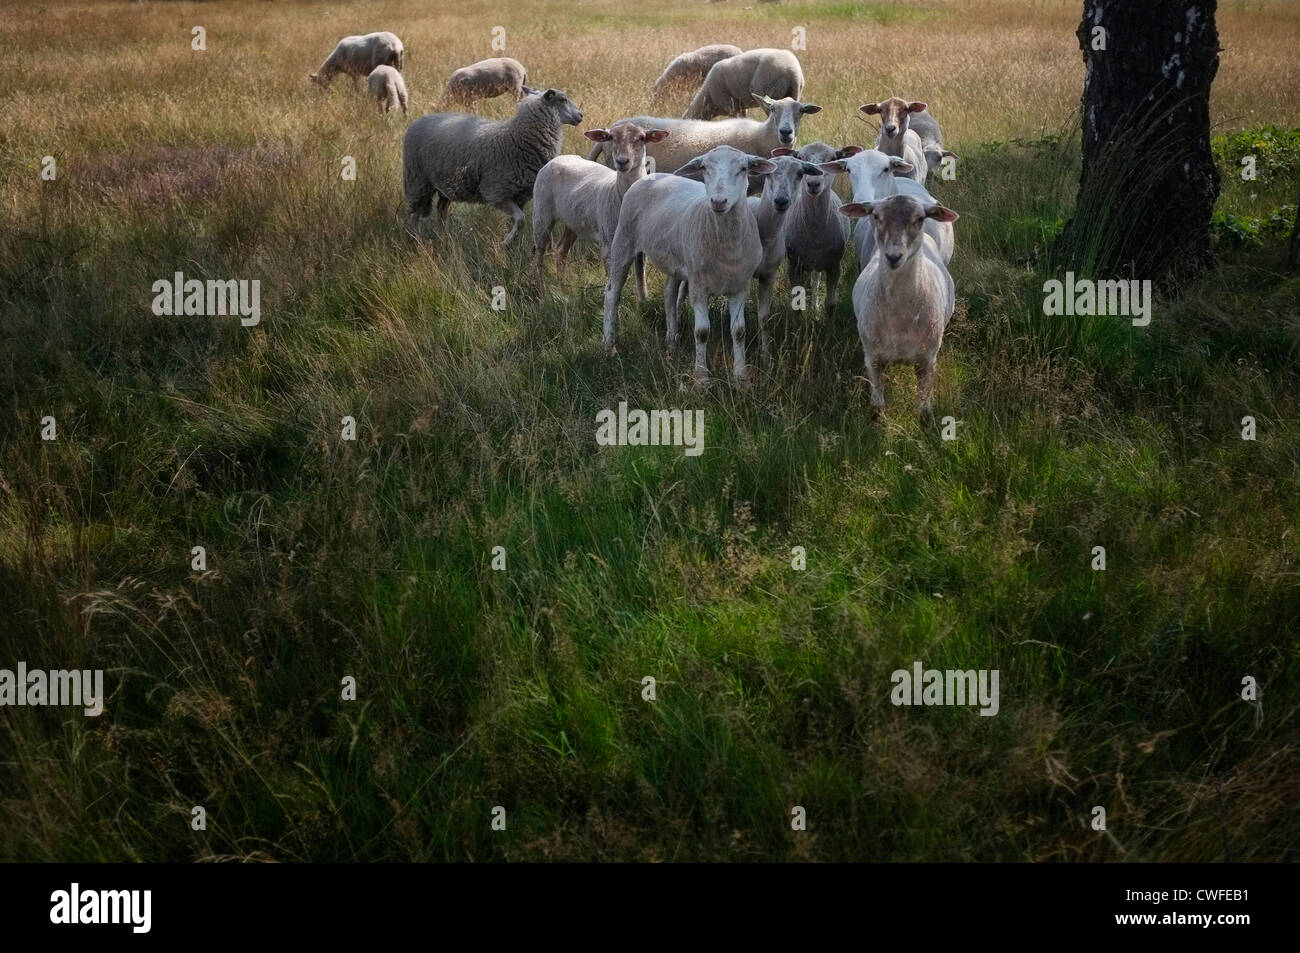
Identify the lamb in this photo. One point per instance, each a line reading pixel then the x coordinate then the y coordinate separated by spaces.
pixel 875 175
pixel 357 56
pixel 484 80
pixel 816 233
pixel 905 297
pixel 771 211
pixel 729 85
pixel 703 234
pixel 898 138
pixel 691 68
pixel 464 158
pixel 387 88
pixel 585 196
pixel 694 137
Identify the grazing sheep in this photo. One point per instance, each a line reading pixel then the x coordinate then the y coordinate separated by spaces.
pixel 690 68
pixel 898 138
pixel 387 88
pixel 731 84
pixel 875 175
pixel 357 56
pixel 484 80
pixel 585 196
pixel 694 137
pixel 816 234
pixel 905 297
pixel 703 234
pixel 465 158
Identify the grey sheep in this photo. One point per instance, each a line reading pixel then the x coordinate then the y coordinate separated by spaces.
pixel 465 158
pixel 691 68
pixel 387 88
pixel 731 84
pixel 484 80
pixel 816 234
pixel 357 56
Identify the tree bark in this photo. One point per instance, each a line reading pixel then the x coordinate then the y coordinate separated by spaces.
pixel 1149 183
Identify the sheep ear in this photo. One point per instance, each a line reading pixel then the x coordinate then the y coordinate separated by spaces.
pixel 941 214
pixel 809 108
pixel 763 101
pixel 528 90
pixel 847 151
pixel 691 168
pixel 916 107
pixel 834 168
pixel 811 169
pixel 782 151
pixel 598 135
pixel 871 109
pixel 656 135
pixel 856 210
pixel 948 155
pixel 760 166
pixel 900 166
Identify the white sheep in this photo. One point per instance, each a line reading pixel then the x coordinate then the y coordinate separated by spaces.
pixel 484 80
pixel 731 84
pixel 904 297
pixel 357 56
pixel 772 211
pixel 703 234
pixel 690 68
pixel 816 233
pixel 387 88
pixel 585 196
pixel 694 137
pixel 874 175
pixel 465 158
pixel 896 137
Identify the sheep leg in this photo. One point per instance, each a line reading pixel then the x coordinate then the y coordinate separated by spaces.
pixel 672 309
pixel 640 278
pixel 567 238
pixel 766 285
pixel 737 305
pixel 444 203
pixel 541 241
pixel 619 263
pixel 700 304
pixel 516 214
pixel 832 288
pixel 925 386
pixel 875 375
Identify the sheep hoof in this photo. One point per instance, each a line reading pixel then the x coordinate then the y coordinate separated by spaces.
pixel 877 414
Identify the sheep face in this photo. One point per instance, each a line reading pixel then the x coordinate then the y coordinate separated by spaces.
pixel 562 106
pixel 818 153
pixel 626 143
pixel 726 173
pixel 869 171
pixel 786 114
pixel 934 158
pixel 894 114
pixel 899 222
pixel 782 185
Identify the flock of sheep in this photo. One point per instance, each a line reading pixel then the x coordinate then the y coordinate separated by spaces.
pixel 698 223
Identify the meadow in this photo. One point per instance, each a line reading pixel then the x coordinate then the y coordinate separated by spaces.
pixel 522 687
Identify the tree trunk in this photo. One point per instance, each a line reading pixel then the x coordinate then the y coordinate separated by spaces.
pixel 1149 184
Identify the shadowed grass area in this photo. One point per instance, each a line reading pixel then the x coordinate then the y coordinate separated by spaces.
pixel 475 429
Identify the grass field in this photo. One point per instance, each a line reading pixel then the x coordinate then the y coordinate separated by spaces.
pixel 522 688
